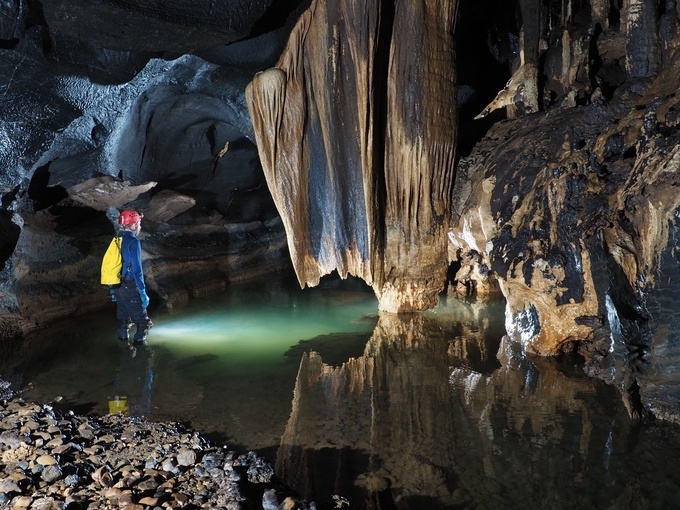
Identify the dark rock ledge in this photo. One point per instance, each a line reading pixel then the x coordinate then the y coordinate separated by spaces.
pixel 58 460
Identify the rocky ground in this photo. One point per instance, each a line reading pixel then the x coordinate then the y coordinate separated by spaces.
pixel 58 460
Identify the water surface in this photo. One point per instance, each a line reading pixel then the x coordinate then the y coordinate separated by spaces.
pixel 423 411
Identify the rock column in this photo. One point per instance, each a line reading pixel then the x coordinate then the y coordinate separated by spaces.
pixel 356 130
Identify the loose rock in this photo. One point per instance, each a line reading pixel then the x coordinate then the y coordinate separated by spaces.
pixel 114 460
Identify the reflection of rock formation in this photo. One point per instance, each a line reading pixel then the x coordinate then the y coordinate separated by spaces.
pixel 474 334
pixel 411 424
pixel 530 434
pixel 377 418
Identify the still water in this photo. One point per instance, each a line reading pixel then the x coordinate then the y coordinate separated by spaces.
pixel 423 411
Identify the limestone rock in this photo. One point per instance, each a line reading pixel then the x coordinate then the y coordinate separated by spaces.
pixel 580 227
pixel 166 205
pixel 100 193
pixel 361 165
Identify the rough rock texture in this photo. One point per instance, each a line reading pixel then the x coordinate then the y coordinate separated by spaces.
pixel 56 263
pixel 574 211
pixel 51 459
pixel 131 104
pixel 356 130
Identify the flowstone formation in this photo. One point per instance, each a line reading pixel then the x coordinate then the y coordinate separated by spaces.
pixel 574 211
pixel 356 130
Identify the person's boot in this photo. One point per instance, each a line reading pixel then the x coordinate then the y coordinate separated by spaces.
pixel 124 332
pixel 140 336
pixel 142 331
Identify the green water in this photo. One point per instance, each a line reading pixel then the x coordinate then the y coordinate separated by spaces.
pixel 248 333
pixel 422 412
pixel 225 364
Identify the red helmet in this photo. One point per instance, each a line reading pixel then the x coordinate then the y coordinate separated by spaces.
pixel 129 217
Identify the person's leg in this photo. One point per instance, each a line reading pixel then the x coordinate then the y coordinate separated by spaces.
pixel 143 323
pixel 125 309
pixel 124 329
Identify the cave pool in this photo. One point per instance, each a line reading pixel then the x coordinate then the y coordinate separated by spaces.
pixel 426 411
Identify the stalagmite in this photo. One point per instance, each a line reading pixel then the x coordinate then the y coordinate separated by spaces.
pixel 600 13
pixel 642 40
pixel 356 130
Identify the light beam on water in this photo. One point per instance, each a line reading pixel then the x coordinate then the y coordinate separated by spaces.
pixel 253 335
pixel 442 415
pixel 226 364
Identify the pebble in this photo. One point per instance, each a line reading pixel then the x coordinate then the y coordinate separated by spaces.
pixel 186 457
pixel 46 460
pixel 148 501
pixel 51 473
pixel 54 460
pixel 21 501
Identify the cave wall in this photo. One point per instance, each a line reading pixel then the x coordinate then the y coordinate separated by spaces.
pixel 656 357
pixel 573 211
pixel 350 130
pixel 132 104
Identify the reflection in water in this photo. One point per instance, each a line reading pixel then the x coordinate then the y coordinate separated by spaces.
pixel 418 423
pixel 423 411
pixel 226 365
pixel 133 382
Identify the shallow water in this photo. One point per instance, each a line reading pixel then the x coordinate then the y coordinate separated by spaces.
pixel 423 411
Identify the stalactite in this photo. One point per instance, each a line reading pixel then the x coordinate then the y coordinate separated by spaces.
pixel 668 29
pixel 531 15
pixel 520 94
pixel 356 129
pixel 600 13
pixel 642 47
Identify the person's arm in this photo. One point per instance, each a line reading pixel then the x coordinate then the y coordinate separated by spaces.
pixel 137 271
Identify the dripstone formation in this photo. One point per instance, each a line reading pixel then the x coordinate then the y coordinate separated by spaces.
pixel 356 130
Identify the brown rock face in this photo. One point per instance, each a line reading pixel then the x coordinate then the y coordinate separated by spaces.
pixel 572 208
pixel 356 130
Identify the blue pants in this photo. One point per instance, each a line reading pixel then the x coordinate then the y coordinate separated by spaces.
pixel 130 311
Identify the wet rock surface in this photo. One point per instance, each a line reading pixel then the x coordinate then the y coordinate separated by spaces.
pixel 581 240
pixel 51 459
pixel 103 110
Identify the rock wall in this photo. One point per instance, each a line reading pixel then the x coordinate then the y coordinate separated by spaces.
pixel 656 358
pixel 54 271
pixel 574 211
pixel 115 104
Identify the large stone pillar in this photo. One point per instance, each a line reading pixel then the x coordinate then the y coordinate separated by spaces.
pixel 639 20
pixel 356 130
